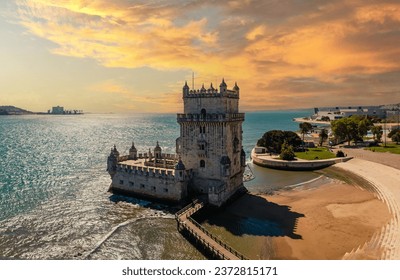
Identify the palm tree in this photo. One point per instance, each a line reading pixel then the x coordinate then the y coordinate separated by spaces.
pixel 323 135
pixel 304 129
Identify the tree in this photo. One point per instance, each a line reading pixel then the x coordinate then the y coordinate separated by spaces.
pixel 351 128
pixel 393 132
pixel 274 139
pixel 305 127
pixel 396 137
pixel 344 129
pixel 362 128
pixel 287 152
pixel 377 132
pixel 325 119
pixel 323 135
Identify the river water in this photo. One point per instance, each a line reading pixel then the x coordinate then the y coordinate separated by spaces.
pixel 54 202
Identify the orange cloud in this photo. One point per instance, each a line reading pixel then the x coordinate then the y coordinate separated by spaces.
pixel 126 99
pixel 249 41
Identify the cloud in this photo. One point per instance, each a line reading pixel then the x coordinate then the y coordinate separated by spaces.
pixel 294 48
pixel 126 98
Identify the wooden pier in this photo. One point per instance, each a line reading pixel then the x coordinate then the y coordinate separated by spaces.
pixel 204 238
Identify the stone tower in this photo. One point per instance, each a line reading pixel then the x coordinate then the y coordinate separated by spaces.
pixel 210 141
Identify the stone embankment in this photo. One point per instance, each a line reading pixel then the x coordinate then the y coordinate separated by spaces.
pixel 269 161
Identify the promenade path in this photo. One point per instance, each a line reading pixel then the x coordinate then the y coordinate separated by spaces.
pixel 388 159
pixel 210 242
pixel 386 181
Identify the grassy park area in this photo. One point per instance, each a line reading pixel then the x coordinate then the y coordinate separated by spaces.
pixel 315 153
pixel 390 148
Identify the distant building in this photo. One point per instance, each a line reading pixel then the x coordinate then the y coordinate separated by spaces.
pixel 334 113
pixel 57 110
pixel 209 160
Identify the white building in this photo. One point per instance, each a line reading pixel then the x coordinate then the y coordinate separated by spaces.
pixel 334 113
pixel 209 160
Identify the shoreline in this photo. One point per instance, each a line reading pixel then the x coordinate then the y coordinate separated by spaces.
pixel 344 215
pixel 382 243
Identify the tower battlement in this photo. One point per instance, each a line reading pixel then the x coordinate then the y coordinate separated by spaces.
pixel 211 91
pixel 203 101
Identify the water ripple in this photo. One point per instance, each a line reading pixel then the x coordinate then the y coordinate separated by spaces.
pixel 53 188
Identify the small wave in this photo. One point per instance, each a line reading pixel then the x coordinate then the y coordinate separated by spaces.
pixel 303 183
pixel 123 224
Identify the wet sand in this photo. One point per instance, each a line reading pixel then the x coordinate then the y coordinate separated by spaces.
pixel 338 218
pixel 323 220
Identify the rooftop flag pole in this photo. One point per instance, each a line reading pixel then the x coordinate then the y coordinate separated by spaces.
pixel 193 80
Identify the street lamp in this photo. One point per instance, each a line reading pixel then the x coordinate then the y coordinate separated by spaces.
pixel 384 130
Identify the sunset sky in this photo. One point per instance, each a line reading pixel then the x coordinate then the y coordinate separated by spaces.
pixel 134 56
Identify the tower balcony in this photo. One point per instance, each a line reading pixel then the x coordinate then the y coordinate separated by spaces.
pixel 210 117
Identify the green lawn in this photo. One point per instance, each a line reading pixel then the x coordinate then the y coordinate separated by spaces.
pixel 390 148
pixel 315 153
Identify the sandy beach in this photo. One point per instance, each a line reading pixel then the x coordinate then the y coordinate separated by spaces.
pixel 352 212
pixel 346 221
pixel 316 221
pixel 338 218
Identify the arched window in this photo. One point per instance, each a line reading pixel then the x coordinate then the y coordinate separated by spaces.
pixel 202 163
pixel 203 111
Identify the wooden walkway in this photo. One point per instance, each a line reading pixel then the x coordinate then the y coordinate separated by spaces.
pixel 203 237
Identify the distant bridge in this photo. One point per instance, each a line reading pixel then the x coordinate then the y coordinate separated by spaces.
pixel 204 238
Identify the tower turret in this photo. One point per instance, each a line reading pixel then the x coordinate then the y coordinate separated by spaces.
pixel 203 89
pixel 185 89
pixel 180 170
pixel 112 161
pixel 157 151
pixel 222 86
pixel 242 158
pixel 236 88
pixel 211 89
pixel 133 152
pixel 225 166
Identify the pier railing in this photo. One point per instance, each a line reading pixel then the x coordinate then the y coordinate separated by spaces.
pixel 185 221
pixel 219 241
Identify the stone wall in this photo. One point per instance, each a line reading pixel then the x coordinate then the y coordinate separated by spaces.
pixel 165 187
pixel 294 165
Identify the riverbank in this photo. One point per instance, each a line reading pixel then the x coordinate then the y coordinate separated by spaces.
pixel 340 215
pixel 347 215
